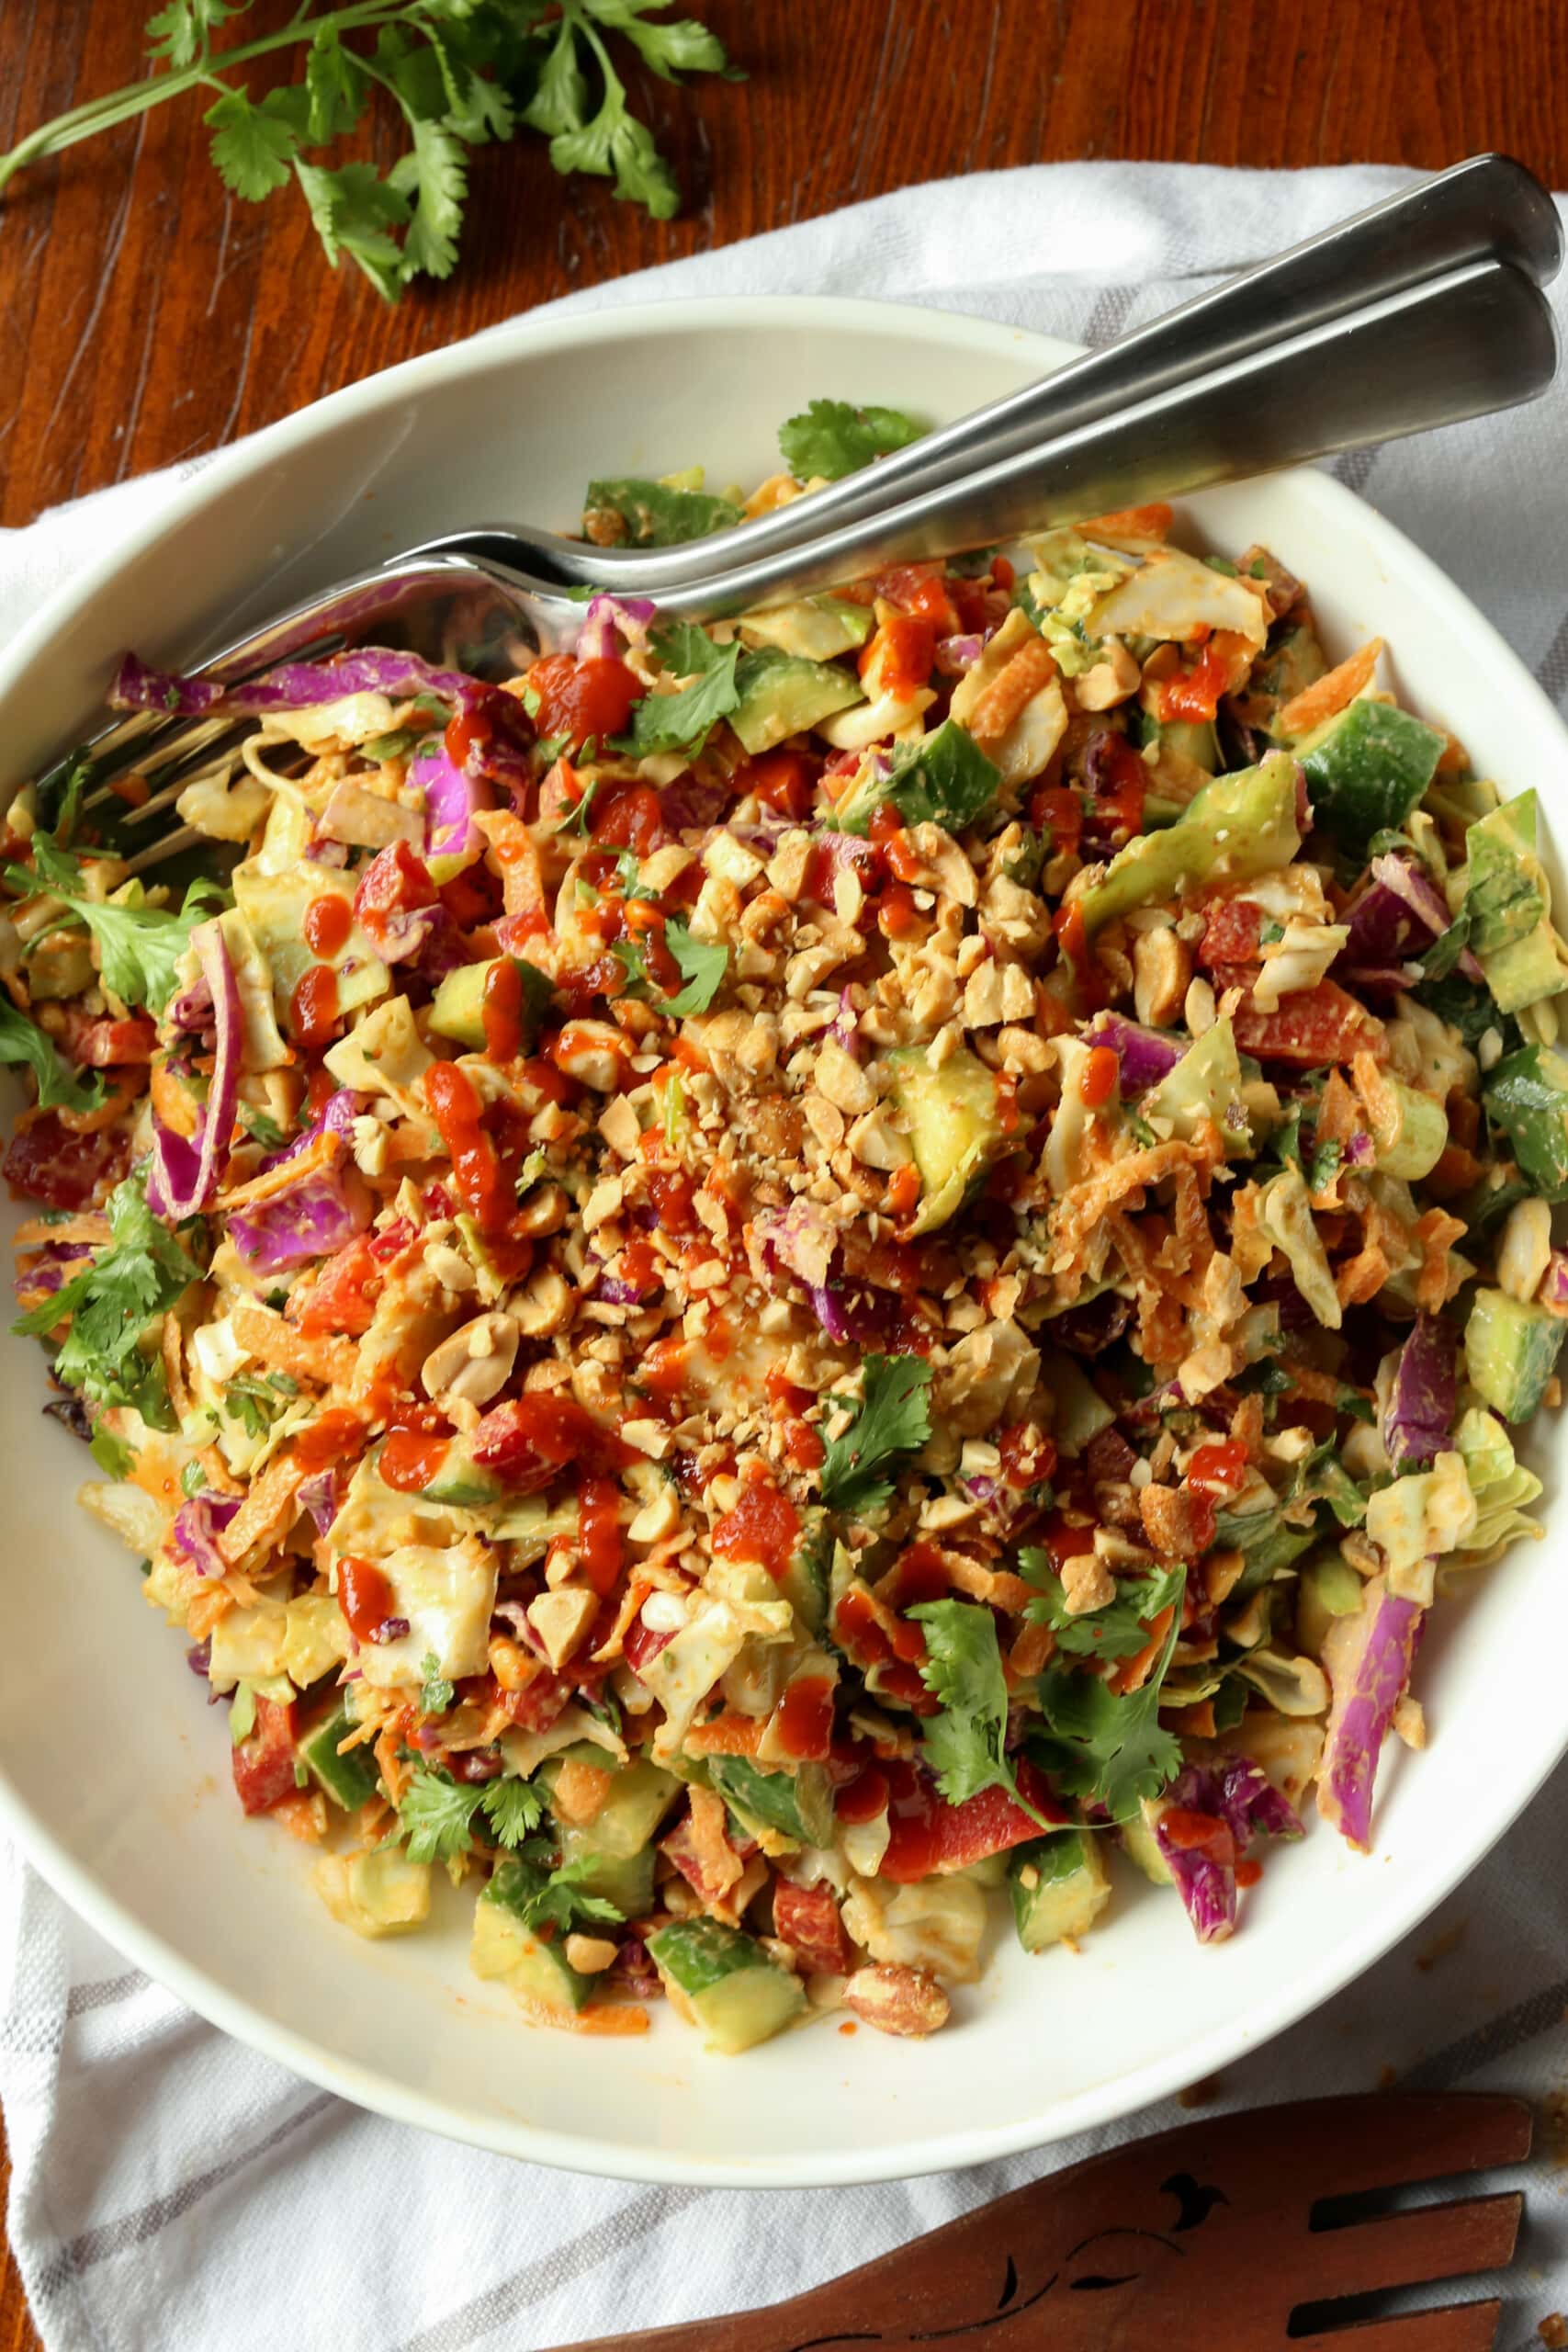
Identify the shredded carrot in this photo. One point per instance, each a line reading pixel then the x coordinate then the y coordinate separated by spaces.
pixel 616 2017
pixel 1016 684
pixel 1435 1235
pixel 1132 1673
pixel 320 1156
pixel 307 1356
pixel 1362 1276
pixel 269 1511
pixel 729 1735
pixel 207 1605
pixel 1031 1652
pixel 1328 694
pixel 394 1773
pixel 37 1234
pixel 304 1816
pixel 1194 1723
pixel 1152 521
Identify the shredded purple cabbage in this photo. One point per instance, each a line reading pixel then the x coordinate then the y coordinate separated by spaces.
pixel 1367 1658
pixel 197 1524
pixel 1238 1797
pixel 319 1495
pixel 1146 1055
pixel 611 623
pixel 1423 1396
pixel 452 796
pixel 183 1176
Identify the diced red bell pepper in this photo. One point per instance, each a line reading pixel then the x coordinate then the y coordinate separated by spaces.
pixel 929 1836
pixel 61 1170
pixel 342 1298
pixel 396 881
pixel 642 1644
pixel 527 1439
pixel 536 1707
pixel 1230 932
pixel 263 1763
pixel 807 1918
pixel 1312 1027
pixel 681 1847
pixel 114 1044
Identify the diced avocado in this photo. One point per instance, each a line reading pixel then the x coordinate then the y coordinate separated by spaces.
pixel 505 1950
pixel 804 1581
pixel 633 512
pixel 1329 1588
pixel 726 1981
pixel 1194 740
pixel 274 908
pixel 640 1794
pixel 458 1008
pixel 799 1802
pixel 817 629
pixel 955 1128
pixel 1080 1412
pixel 1527 1098
pixel 1511 1349
pixel 378 1894
pixel 1059 1888
pixel 624 1879
pixel 1508 901
pixel 463 1484
pixel 1237 825
pixel 1142 1847
pixel 1205 1084
pixel 1367 767
pixel 349 1780
pixel 944 779
pixel 1410 1131
pixel 780 694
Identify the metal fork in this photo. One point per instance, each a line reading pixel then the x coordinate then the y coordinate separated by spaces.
pixel 1231 386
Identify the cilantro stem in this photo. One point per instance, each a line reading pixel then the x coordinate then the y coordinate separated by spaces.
pixel 139 98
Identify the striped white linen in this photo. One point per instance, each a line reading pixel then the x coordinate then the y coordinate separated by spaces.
pixel 173 2192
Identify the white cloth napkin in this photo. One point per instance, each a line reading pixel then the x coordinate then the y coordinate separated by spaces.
pixel 172 2191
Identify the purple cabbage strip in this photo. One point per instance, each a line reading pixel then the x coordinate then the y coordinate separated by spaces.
pixel 50 1272
pixel 1398 914
pixel 858 1318
pixel 319 1495
pixel 1424 1397
pixel 183 1176
pixel 954 655
pixel 688 807
pixel 1240 1798
pixel 844 1027
pixel 1367 1658
pixel 1146 1055
pixel 197 1524
pixel 452 796
pixel 1553 1290
pixel 801 1238
pixel 611 622
pixel 312 1220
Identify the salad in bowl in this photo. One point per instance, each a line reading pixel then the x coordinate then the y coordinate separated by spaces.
pixel 764 1291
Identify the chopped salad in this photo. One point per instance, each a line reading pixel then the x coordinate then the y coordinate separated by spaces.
pixel 767 1278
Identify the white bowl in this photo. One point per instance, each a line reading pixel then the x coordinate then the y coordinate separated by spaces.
pixel 113 1774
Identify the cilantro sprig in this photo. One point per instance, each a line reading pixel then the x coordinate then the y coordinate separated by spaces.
pixel 460 73
pixel 683 721
pixel 893 1417
pixel 703 964
pixel 139 945
pixel 545 1893
pixel 834 438
pixel 964 1743
pixel 437 1814
pixel 1119 1630
pixel 58 1086
pixel 1105 1747
pixel 114 1299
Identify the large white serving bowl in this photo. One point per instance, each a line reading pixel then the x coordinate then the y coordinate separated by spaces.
pixel 114 1774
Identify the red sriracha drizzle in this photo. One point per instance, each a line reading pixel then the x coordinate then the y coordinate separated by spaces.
pixel 804 1719
pixel 527 1439
pixel 583 698
pixel 501 1009
pixel 764 1525
pixel 364 1595
pixel 327 921
pixel 476 1166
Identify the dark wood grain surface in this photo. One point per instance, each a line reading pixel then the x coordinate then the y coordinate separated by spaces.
pixel 147 317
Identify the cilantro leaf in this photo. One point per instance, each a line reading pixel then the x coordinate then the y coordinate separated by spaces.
pixel 551 1898
pixel 1119 1630
pixel 113 1456
pixel 139 1276
pixel 180 33
pixel 833 437
pixel 703 965
pixel 1107 1749
pixel 512 1809
pixel 965 1744
pixel 635 513
pixel 254 145
pixel 139 947
pixel 354 213
pixel 893 1417
pixel 436 1813
pixel 436 1694
pixel 667 50
pixel 434 177
pixel 684 720
pixel 336 86
pixel 58 1086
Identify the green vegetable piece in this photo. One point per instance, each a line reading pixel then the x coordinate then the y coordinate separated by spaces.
pixel 640 1794
pixel 946 780
pixel 1082 1412
pixel 1366 768
pixel 726 1983
pixel 626 1881
pixel 58 1086
pixel 834 438
pixel 1525 1097
pixel 818 628
pixel 1507 903
pixel 1059 1887
pixel 349 1780
pixel 378 1894
pixel 892 1418
pixel 1237 825
pixel 800 1803
pixel 1292 660
pixel 1142 1847
pixel 458 1008
pixel 114 1302
pixel 1194 740
pixel 1511 1351
pixel 1410 1131
pixel 954 1125
pixel 1329 1588
pixel 635 513
pixel 1205 1084
pixel 780 694
pixel 506 1949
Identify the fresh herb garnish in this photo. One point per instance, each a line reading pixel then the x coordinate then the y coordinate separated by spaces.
pixel 892 1417
pixel 966 1745
pixel 461 73
pixel 112 1301
pixel 58 1086
pixel 702 962
pixel 436 1693
pixel 437 1814
pixel 193 1479
pixel 834 438
pixel 552 1898
pixel 139 947
pixel 1119 1630
pixel 114 1458
pixel 636 513
pixel 683 721
pixel 1107 1749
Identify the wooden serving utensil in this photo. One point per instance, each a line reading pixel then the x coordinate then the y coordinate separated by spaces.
pixel 1232 2234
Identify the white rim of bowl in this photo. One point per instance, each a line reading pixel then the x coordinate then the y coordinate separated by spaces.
pixel 1121 2095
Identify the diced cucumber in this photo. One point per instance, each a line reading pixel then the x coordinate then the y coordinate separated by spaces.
pixel 640 1794
pixel 1329 1588
pixel 378 1894
pixel 799 1802
pixel 726 1981
pixel 1238 825
pixel 1410 1131
pixel 1527 1097
pixel 458 1008
pixel 1291 660
pixel 349 1780
pixel 780 694
pixel 804 1581
pixel 1059 1888
pixel 462 1484
pixel 956 1128
pixel 945 779
pixel 624 1879
pixel 1190 739
pixel 1366 768
pixel 1142 1847
pixel 1510 1350
pixel 503 1948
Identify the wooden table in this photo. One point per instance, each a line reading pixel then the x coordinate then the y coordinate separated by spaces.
pixel 148 317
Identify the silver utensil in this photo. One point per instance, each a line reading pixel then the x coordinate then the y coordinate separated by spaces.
pixel 1224 388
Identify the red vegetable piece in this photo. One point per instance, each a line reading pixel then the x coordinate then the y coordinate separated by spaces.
pixel 807 1918
pixel 929 1836
pixel 61 1170
pixel 1314 1026
pixel 263 1764
pixel 1231 933
pixel 395 881
pixel 343 1299
pixel 527 1439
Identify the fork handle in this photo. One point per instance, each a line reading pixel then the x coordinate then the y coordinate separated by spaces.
pixel 1489 208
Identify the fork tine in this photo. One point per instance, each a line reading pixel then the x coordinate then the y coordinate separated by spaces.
pixel 1457 2327
pixel 167 845
pixel 1432 2242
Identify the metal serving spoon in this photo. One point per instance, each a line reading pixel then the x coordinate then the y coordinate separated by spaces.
pixel 1426 312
